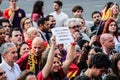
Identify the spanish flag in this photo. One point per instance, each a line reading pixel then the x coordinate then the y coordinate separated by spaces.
pixel 73 71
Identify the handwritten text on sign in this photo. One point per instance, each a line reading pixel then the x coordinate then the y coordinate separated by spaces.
pixel 62 35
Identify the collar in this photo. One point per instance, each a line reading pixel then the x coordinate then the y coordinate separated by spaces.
pixel 8 66
pixel 43 33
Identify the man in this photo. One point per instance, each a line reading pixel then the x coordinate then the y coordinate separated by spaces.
pixel 9 53
pixel 44 27
pixel 51 20
pixel 77 11
pixel 2 35
pixel 15 36
pixel 2 74
pixel 5 23
pixel 97 66
pixel 74 27
pixel 2 38
pixel 107 42
pixel 14 14
pixel 98 23
pixel 59 16
pixel 52 23
pixel 32 60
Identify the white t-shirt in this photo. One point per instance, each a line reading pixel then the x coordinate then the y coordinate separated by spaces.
pixel 60 18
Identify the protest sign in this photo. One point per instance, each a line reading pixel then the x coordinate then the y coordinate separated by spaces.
pixel 63 35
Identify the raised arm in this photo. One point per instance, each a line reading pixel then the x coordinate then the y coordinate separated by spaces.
pixel 47 68
pixel 69 57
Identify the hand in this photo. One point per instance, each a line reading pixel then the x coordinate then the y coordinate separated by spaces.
pixel 53 40
pixel 93 39
pixel 73 43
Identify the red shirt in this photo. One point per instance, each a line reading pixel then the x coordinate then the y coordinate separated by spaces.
pixel 60 72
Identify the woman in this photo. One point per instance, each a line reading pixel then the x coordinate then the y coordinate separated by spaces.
pixel 37 12
pixel 116 16
pixel 26 23
pixel 112 28
pixel 115 60
pixel 52 70
pixel 85 57
pixel 23 48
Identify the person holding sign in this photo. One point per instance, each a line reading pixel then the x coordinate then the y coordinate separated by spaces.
pixel 52 70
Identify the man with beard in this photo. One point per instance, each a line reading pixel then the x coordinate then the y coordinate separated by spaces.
pixel 98 23
pixel 59 15
pixel 52 23
pixel 51 20
pixel 44 26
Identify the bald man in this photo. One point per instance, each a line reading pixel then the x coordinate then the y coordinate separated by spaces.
pixel 107 42
pixel 31 60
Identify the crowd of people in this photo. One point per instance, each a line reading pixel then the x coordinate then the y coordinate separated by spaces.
pixel 29 51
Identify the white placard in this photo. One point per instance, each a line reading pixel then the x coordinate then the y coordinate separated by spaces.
pixel 62 34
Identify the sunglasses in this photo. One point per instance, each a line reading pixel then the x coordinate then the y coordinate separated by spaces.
pixel 2 33
pixel 76 26
pixel 1 73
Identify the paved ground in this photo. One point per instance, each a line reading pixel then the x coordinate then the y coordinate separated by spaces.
pixel 88 5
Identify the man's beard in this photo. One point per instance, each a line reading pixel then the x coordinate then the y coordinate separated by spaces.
pixel 97 22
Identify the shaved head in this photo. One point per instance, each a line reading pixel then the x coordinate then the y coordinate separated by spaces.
pixel 107 41
pixel 38 46
pixel 105 36
pixel 38 40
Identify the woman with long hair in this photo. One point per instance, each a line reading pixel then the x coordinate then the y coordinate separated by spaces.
pixel 37 11
pixel 115 60
pixel 112 28
pixel 52 69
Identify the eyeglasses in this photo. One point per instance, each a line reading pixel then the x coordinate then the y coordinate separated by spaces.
pixel 76 26
pixel 2 33
pixel 28 22
pixel 1 73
